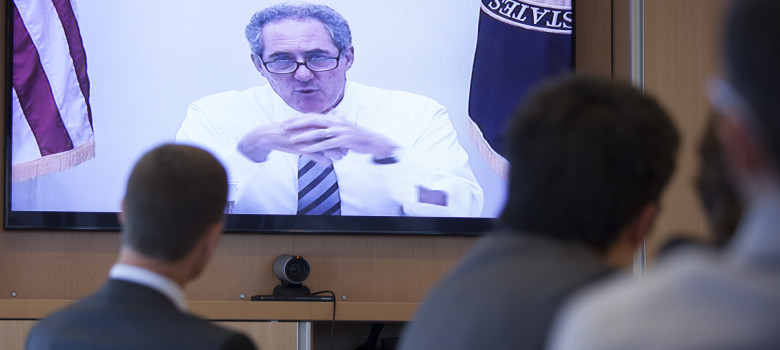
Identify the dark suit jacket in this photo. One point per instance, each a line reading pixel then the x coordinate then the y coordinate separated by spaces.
pixel 502 295
pixel 125 315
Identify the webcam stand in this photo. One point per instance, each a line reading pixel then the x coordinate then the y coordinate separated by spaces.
pixel 291 292
pixel 286 289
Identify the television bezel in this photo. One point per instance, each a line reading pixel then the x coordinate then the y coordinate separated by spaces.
pixel 234 223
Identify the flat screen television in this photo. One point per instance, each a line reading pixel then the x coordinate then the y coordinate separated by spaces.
pixel 91 85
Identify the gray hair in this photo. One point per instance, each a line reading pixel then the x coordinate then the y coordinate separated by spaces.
pixel 333 21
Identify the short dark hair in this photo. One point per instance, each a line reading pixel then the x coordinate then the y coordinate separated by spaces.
pixel 174 194
pixel 587 154
pixel 751 55
pixel 332 20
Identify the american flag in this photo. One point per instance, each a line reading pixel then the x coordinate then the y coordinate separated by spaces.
pixel 519 44
pixel 52 120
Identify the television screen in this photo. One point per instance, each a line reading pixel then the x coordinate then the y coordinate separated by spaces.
pixel 397 130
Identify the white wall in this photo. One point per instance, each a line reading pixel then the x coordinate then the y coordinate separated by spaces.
pixel 148 59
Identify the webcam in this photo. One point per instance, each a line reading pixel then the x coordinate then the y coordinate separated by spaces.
pixel 292 270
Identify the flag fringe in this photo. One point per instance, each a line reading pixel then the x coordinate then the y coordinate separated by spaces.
pixel 52 163
pixel 497 163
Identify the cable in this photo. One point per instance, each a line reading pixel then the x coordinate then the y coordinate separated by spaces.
pixel 333 317
pixel 373 337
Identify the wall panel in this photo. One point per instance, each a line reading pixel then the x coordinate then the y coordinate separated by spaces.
pixel 680 55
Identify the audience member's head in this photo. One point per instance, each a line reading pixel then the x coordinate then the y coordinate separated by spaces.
pixel 175 198
pixel 590 158
pixel 751 66
pixel 717 195
pixel 747 98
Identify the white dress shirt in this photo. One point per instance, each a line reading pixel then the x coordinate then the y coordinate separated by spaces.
pixel 432 157
pixel 152 280
pixel 695 299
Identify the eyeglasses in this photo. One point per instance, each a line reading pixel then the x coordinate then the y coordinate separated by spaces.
pixel 317 64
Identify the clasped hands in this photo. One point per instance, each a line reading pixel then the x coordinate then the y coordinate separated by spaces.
pixel 324 138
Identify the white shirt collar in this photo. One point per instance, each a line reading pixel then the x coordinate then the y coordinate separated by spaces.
pixel 757 238
pixel 152 280
pixel 348 106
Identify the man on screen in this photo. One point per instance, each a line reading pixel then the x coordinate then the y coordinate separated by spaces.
pixel 325 145
pixel 172 217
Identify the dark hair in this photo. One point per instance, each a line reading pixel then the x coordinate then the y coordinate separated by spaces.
pixel 174 194
pixel 751 55
pixel 716 191
pixel 333 21
pixel 587 155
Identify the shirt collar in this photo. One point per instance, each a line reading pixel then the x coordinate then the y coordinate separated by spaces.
pixel 152 280
pixel 348 106
pixel 757 239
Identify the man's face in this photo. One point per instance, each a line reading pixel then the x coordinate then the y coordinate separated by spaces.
pixel 301 40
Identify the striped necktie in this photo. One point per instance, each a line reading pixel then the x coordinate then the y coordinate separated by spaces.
pixel 318 188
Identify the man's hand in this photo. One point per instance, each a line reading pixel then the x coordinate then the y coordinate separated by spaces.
pixel 324 138
pixel 263 139
pixel 323 133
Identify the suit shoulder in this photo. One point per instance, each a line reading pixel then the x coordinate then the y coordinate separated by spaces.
pixel 239 342
pixel 88 323
pixel 212 333
pixel 72 311
pixel 59 322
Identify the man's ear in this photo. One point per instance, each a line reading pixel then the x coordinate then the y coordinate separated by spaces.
pixel 211 239
pixel 258 64
pixel 631 236
pixel 642 224
pixel 349 57
pixel 121 214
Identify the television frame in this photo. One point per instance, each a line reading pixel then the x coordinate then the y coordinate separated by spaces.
pixel 246 223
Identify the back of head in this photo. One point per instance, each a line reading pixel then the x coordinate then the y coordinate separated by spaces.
pixel 587 155
pixel 751 55
pixel 333 21
pixel 174 194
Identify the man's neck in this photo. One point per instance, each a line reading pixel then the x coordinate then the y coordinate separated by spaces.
pixel 619 256
pixel 331 108
pixel 150 279
pixel 176 272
